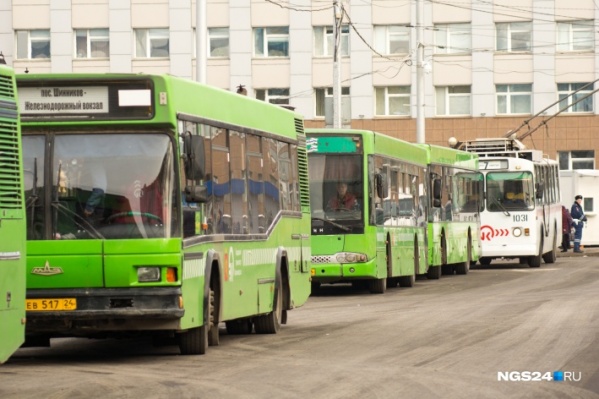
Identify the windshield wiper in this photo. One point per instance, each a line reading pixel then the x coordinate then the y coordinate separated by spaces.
pixel 83 224
pixel 500 205
pixel 339 226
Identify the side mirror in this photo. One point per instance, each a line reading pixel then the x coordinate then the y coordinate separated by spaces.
pixel 380 181
pixel 194 157
pixel 436 193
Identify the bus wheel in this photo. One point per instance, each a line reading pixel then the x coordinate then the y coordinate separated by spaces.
pixel 271 323
pixel 407 281
pixel 194 341
pixel 551 256
pixel 535 261
pixel 434 272
pixel 464 267
pixel 485 261
pixel 378 286
pixel 239 326
pixel 213 333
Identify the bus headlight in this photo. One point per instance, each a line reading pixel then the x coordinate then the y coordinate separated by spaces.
pixel 351 257
pixel 148 274
pixel 517 232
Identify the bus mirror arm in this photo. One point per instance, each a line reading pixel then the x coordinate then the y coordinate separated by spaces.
pixel 196 194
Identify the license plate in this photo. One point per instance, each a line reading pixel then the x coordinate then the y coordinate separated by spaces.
pixel 48 305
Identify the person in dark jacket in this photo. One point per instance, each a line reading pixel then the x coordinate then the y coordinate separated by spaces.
pixel 566 229
pixel 578 218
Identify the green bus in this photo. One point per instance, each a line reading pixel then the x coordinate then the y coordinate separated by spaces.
pixel 161 206
pixel 372 220
pixel 456 192
pixel 12 220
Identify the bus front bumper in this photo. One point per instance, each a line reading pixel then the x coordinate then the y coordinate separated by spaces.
pixel 333 273
pixel 103 309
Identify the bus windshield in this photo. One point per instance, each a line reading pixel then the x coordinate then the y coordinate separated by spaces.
pixel 336 197
pixel 508 191
pixel 107 186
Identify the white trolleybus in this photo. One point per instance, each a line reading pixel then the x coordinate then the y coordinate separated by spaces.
pixel 520 215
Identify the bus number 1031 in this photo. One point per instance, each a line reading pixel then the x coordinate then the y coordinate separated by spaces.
pixel 520 218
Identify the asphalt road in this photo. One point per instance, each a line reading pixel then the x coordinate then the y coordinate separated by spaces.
pixel 440 339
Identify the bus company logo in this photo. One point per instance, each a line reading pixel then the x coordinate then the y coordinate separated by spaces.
pixel 46 270
pixel 557 376
pixel 487 233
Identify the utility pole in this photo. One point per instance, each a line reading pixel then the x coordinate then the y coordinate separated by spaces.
pixel 201 41
pixel 338 17
pixel 420 138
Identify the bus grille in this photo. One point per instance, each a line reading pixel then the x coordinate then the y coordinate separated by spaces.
pixel 323 259
pixel 10 173
pixel 302 161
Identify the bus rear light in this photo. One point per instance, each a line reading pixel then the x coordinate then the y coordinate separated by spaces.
pixel 148 274
pixel 527 232
pixel 171 274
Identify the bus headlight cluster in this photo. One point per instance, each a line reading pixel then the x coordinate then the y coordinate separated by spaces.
pixel 351 257
pixel 148 274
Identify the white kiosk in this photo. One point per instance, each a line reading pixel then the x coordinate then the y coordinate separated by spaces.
pixel 586 183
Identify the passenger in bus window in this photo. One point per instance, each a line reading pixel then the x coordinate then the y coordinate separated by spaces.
pixel 343 200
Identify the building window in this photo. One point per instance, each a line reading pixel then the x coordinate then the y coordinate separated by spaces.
pixel 218 42
pixel 323 94
pixel 575 36
pixel 392 100
pixel 273 96
pixel 151 43
pixel 453 39
pixel 514 36
pixel 514 99
pixel 33 44
pixel 572 160
pixel 581 101
pixel 92 43
pixel 392 39
pixel 271 42
pixel 453 100
pixel 324 41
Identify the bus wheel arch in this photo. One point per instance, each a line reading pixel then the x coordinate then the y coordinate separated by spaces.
pixel 270 323
pixel 464 267
pixel 551 256
pixel 535 260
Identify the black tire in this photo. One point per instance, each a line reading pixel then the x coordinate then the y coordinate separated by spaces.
pixel 407 281
pixel 464 267
pixel 213 333
pixel 194 341
pixel 485 261
pixel 239 326
pixel 434 272
pixel 551 256
pixel 377 286
pixel 271 323
pixel 535 261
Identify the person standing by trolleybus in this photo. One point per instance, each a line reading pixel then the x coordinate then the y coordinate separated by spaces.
pixel 578 218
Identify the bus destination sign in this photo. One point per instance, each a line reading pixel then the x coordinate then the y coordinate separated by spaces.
pixel 63 100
